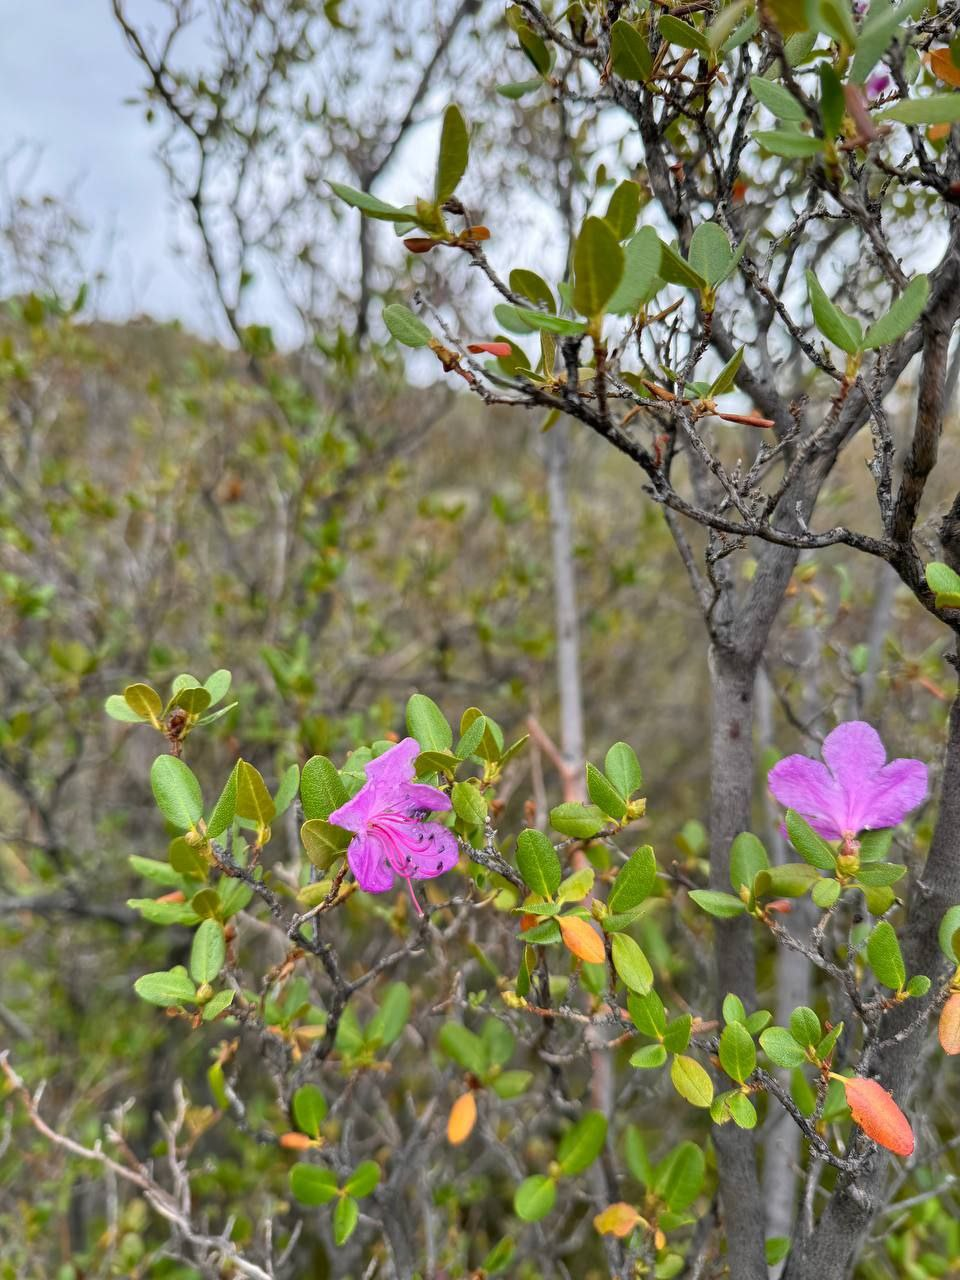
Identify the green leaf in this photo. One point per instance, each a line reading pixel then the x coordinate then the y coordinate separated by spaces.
pixel 738 1054
pixel 518 88
pixel 392 1016
pixel 902 315
pixel 323 842
pixel 776 1249
pixel 722 905
pixel 287 789
pixel 788 143
pixel 407 328
pixel 676 271
pixel 158 872
pixel 635 880
pixel 194 701
pixel 623 208
pixel 529 285
pixel 777 99
pixel 454 153
pixel 683 34
pixel 538 863
pixel 781 1048
pixel 791 879
pixel 880 873
pixel 208 951
pixel 144 702
pixel 465 1048
pixel 218 685
pixel 540 321
pixel 825 893
pixel 733 1010
pixel 217 1004
pixel 726 378
pixel 832 102
pixel 826 1045
pixel 747 857
pixel 947 934
pixel 582 1143
pixel 742 1110
pixel 225 809
pixel 500 1256
pixel 649 1056
pixel 875 845
pixel 579 820
pixel 598 267
pixel 309 1108
pixel 641 263
pixel 177 792
pixel 577 885
pixel 676 1035
pixel 312 1185
pixel 364 1179
pixel 648 1014
pixel 805 1027
pixel 254 801
pixel 638 1161
pixel 834 324
pixel 166 988
pixel 164 912
pixel 468 804
pixel 710 253
pixel 535 1197
pixel 918 985
pixel 369 205
pixel 345 1215
pixel 811 847
pixel 427 723
pixel 510 1084
pixel 631 964
pixel 117 709
pixel 605 795
pixel 623 768
pixel 938 108
pixel 886 960
pixel 629 55
pixel 321 788
pixel 678 1178
pixel 691 1081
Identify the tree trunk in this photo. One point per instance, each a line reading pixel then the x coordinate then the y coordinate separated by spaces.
pixel 732 680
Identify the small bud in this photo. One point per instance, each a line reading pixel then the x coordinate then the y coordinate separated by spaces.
pixel 205 993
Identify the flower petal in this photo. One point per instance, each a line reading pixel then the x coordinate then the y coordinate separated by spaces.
pixel 395 766
pixel 440 851
pixel 807 786
pixel 368 862
pixel 854 752
pixel 892 793
pixel 418 796
pixel 356 813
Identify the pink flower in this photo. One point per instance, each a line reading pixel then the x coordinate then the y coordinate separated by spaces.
pixel 878 82
pixel 388 817
pixel 855 789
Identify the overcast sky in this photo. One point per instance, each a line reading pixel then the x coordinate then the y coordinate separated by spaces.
pixel 64 75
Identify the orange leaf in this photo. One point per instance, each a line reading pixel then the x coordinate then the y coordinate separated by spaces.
pixel 296 1141
pixel 949 1029
pixel 582 939
pixel 176 896
pixel 501 349
pixel 529 921
pixel 477 233
pixel 748 419
pixel 944 67
pixel 875 1111
pixel 937 132
pixel 419 244
pixel 463 1116
pixel 618 1220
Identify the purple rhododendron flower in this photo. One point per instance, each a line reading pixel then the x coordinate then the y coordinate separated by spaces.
pixel 854 789
pixel 388 817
